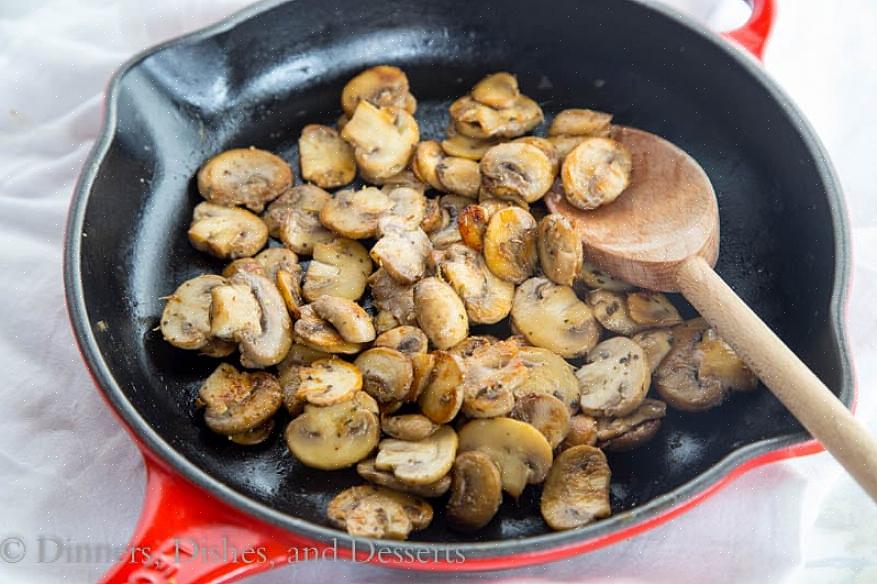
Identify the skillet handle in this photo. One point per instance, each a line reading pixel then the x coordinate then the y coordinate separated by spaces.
pixel 187 536
pixel 752 36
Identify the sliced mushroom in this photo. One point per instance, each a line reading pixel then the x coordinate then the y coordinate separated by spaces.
pixel 254 436
pixel 336 436
pixel 244 265
pixel 510 245
pixel 442 397
pixel 548 374
pixel 352 322
pixel 582 430
pixel 371 511
pixel 493 372
pixel 477 120
pixel 449 231
pixel 516 171
pixel 651 309
pixel 615 380
pixel 427 156
pixel 384 321
pixel 564 144
pixel 405 178
pixel 275 259
pixel 520 451
pixel 383 139
pixel 318 333
pixel 274 339
pixel 299 356
pixel 355 213
pixel 401 250
pixel 462 146
pixel 217 348
pixel 580 122
pixel 633 430
pixel 294 218
pixel 393 297
pixel 432 217
pixel 383 86
pixel 226 232
pixel 560 249
pixel 409 205
pixel 340 268
pixel 595 173
pixel 656 344
pixel 440 313
pixel 419 462
pixel 405 339
pixel 472 224
pixel 719 361
pixel 421 364
pixel 546 413
pixel 244 176
pixel 499 90
pixel 289 285
pixel 487 298
pixel 576 491
pixel 236 402
pixel 593 277
pixel 552 317
pixel 476 492
pixel 367 470
pixel 386 373
pixel 234 311
pixel 468 346
pixel 610 308
pixel 409 426
pixel 329 381
pixel 460 176
pixel 326 159
pixel 185 320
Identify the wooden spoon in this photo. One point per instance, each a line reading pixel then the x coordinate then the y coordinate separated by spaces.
pixel 662 233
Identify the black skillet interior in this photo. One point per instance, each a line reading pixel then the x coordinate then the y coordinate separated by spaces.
pixel 259 82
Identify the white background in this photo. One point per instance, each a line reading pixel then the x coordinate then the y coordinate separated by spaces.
pixel 67 470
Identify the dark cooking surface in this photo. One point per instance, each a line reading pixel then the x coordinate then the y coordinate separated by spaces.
pixel 260 82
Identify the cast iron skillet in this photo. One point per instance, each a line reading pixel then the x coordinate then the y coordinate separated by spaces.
pixel 257 78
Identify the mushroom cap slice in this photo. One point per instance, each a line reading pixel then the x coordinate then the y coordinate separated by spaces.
pixel 459 175
pixel 318 333
pixel 329 381
pixel 244 265
pixel 289 285
pixel 498 90
pixel 440 313
pixel 548 374
pixel 461 146
pixel 294 218
pixel 236 402
pixel 580 122
pixel 387 374
pixel 367 470
pixel 405 339
pixel 595 173
pixel 593 277
pixel 493 371
pixel 615 380
pixel 651 309
pixel 401 251
pixel 546 413
pixel 610 308
pixel 510 245
pixel 378 518
pixel 718 360
pixel 472 223
pixel 633 430
pixel 521 453
pixel 487 298
pixel 656 344
pixel 476 492
pixel 576 491
pixel 340 268
pixel 564 144
pixel 234 311
pixel 422 364
pixel 274 339
pixel 552 317
pixel 546 146
pixel 355 213
pixel 254 436
pixel 185 320
pixel 432 217
pixel 477 120
pixel 582 430
pixel 326 159
pixel 560 249
pixel 383 86
pixel 517 170
pixel 288 374
pixel 408 426
pixel 393 297
pixel 449 232
pixel 226 232
pixel 418 511
pixel 275 259
pixel 350 320
pixel 383 139
pixel 442 397
pixel 419 462
pixel 409 205
pixel 332 437
pixel 427 156
pixel 244 176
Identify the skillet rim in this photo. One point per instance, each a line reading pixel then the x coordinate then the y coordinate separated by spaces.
pixel 642 516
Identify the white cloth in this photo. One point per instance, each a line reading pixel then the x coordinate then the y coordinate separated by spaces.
pixel 68 471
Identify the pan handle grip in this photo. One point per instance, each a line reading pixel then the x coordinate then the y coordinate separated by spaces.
pixel 186 535
pixel 752 36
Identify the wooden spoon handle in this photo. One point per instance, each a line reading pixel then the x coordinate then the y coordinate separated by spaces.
pixel 809 400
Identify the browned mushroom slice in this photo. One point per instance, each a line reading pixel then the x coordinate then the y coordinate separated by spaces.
pixel 329 381
pixel 367 470
pixel 355 213
pixel 460 176
pixel 393 297
pixel 408 426
pixel 350 320
pixel 576 491
pixel 548 374
pixel 254 436
pixel 477 120
pixel 546 413
pixel 580 122
pixel 405 178
pixel 462 146
pixel 371 511
pixel 499 90
pixel 336 436
pixel 299 356
pixel 421 364
pixel 432 217
pixel 383 139
pixel 516 170
pixel 226 232
pixel 427 156
pixel 610 308
pixel 472 223
pixel 340 268
pixel 656 344
pixel 274 338
pixel 565 144
pixel 244 176
pixel 319 333
pixel 383 86
pixel 289 286
pixel 405 339
pixel 217 348
pixel 275 259
pixel 560 249
pixel 493 371
pixel 595 173
pixel 419 462
pixel 476 492
pixel 442 397
pixel 409 205
pixel 185 321
pixel 401 251
pixel 552 317
pixel 651 309
pixel 326 159
pixel 449 231
pixel 582 430
pixel 487 298
pixel 593 277
pixel 234 311
pixel 440 313
pixel 633 430
pixel 236 402
pixel 510 245
pixel 386 373
pixel 294 218
pixel 468 346
pixel 244 265
pixel 546 146
pixel 719 361
pixel 615 380
pixel 520 452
